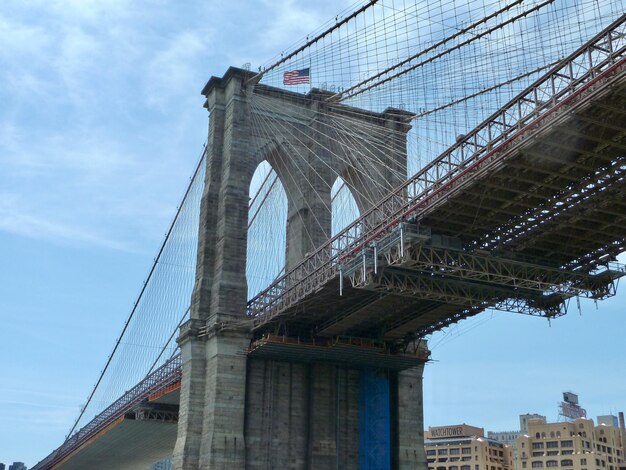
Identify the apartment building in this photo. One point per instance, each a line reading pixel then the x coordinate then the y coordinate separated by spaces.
pixel 576 445
pixel 464 447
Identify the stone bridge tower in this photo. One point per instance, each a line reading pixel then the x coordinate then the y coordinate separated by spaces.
pixel 242 413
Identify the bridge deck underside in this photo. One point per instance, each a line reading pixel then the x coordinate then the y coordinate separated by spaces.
pixel 127 444
pixel 558 197
pixel 134 440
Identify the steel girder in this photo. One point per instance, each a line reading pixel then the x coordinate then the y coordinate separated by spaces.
pixel 409 249
pixel 466 294
pixel 506 272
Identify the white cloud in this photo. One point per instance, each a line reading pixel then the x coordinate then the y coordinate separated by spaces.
pixel 87 11
pixel 174 69
pixel 290 21
pixel 78 57
pixel 20 41
pixel 16 219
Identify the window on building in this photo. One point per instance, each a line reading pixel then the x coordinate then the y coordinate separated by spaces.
pixel 466 450
pixel 465 467
pixel 552 434
pixel 567 443
pixel 567 463
pixel 537 445
pixel 552 444
pixel 453 467
pixel 442 459
pixel 552 452
pixel 431 452
pixel 523 464
pixel 476 467
pixel 431 461
pixel 523 445
pixel 466 458
pixel 441 468
pixel 538 454
pixel 567 452
pixel 552 463
pixel 583 461
pixel 537 436
pixel 456 451
pixel 543 434
pixel 442 451
pixel 454 459
pixel 537 464
pixel 558 434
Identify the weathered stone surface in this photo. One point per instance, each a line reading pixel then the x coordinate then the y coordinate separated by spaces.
pixel 259 414
pixel 410 420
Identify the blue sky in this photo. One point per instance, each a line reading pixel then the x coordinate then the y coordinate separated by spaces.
pixel 101 124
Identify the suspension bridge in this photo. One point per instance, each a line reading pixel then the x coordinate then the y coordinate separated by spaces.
pixel 429 162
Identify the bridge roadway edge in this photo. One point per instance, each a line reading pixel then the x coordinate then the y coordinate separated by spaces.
pixel 239 412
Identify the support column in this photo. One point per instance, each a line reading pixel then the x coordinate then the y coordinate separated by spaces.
pixel 188 441
pixel 322 430
pixel 276 415
pixel 211 428
pixel 410 453
pixel 375 420
pixel 308 182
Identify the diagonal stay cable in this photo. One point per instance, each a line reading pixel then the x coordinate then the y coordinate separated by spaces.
pixel 145 285
pixel 447 51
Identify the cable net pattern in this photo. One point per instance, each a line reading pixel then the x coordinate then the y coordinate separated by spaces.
pixel 449 62
pixel 147 340
pixel 461 60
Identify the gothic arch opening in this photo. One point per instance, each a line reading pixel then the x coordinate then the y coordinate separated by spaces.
pixel 344 208
pixel 267 229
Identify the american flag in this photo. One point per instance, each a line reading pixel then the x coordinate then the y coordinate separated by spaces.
pixel 296 77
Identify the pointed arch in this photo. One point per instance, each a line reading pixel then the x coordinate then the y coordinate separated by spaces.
pixel 344 207
pixel 267 229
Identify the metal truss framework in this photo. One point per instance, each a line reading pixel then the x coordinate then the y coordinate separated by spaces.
pixel 162 413
pixel 570 203
pixel 413 262
pixel 588 72
pixel 407 265
pixel 482 267
pixel 466 294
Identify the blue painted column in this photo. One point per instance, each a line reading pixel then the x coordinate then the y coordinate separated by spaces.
pixel 374 421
